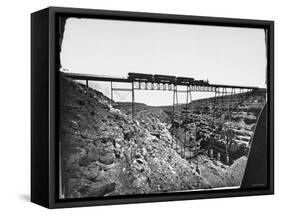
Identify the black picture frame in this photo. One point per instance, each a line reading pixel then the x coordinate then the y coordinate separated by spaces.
pixel 45 60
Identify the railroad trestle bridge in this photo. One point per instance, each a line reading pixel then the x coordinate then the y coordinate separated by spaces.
pixel 176 85
pixel 162 85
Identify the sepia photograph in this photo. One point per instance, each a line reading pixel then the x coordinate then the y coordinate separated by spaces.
pixel 155 108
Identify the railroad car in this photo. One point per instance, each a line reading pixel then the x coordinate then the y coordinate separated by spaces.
pixel 164 78
pixel 140 77
pixel 200 82
pixel 184 80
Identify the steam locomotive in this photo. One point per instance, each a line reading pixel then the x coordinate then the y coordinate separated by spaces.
pixel 165 79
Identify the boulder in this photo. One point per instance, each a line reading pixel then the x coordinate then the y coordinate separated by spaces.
pixel 92 174
pixel 139 165
pixel 74 125
pixel 93 155
pixel 105 137
pixel 108 147
pixel 98 189
pixel 107 158
pixel 83 162
pixel 84 135
pixel 139 182
pixel 100 176
pixel 250 119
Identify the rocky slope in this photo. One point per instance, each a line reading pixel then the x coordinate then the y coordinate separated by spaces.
pixel 105 152
pixel 226 126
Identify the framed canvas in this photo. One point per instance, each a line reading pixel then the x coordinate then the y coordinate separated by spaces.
pixel 139 107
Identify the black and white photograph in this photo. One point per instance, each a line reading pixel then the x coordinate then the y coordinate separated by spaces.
pixel 140 108
pixel 155 108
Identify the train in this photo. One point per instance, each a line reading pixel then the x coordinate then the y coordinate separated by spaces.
pixel 200 82
pixel 184 80
pixel 164 79
pixel 157 78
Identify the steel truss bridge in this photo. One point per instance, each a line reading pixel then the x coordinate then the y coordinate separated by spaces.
pixel 220 91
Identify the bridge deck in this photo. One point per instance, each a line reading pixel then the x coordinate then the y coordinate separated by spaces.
pixel 87 77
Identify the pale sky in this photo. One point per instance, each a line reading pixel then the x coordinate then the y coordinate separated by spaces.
pixel 223 55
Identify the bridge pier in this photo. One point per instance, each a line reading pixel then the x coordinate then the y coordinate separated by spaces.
pixel 211 153
pixel 219 156
pixel 111 91
pixel 133 100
